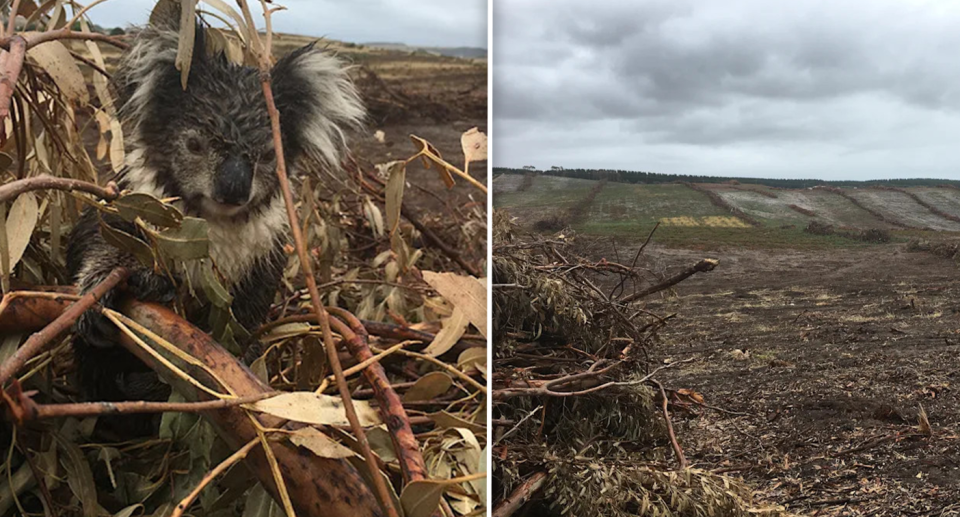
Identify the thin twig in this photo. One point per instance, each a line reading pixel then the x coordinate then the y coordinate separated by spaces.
pixel 517 426
pixel 307 268
pixel 520 495
pixel 207 479
pixel 44 181
pixel 85 409
pixel 12 22
pixel 681 459
pixel 39 340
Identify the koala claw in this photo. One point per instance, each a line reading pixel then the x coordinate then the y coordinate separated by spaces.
pixel 98 331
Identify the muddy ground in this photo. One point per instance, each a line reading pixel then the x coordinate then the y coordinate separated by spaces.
pixel 817 365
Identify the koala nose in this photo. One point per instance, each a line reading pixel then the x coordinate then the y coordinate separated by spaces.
pixel 233 182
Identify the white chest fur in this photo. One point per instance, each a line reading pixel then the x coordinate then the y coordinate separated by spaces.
pixel 235 246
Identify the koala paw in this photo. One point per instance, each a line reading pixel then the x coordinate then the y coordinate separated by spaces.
pixel 98 331
pixel 147 286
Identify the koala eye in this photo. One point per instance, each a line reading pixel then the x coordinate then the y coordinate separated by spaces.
pixel 194 145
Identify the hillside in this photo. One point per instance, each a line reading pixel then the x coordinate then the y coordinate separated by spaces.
pixel 717 214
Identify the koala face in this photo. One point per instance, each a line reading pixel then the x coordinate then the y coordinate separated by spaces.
pixel 211 143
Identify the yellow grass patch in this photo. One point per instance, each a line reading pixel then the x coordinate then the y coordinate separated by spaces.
pixel 713 221
pixel 719 221
pixel 679 221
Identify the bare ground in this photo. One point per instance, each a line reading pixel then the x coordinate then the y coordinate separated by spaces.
pixel 817 365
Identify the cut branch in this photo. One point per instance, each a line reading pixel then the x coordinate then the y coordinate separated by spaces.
pixel 700 267
pixel 521 495
pixel 35 344
pixel 390 405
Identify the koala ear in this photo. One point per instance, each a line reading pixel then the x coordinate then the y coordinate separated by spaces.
pixel 147 71
pixel 316 99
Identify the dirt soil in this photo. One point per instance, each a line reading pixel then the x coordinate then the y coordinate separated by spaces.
pixel 817 366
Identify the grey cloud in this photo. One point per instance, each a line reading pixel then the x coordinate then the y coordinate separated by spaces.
pixel 749 78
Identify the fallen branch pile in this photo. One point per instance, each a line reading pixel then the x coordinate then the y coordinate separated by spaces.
pixel 581 424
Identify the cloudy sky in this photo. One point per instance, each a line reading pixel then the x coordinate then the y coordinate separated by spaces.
pixel 438 23
pixel 851 89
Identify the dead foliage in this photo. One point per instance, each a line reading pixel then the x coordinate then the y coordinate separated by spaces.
pixel 399 301
pixel 874 235
pixel 805 211
pixel 582 425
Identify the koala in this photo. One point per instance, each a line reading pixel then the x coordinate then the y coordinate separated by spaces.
pixel 209 145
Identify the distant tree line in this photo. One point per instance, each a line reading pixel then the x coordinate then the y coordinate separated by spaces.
pixel 622 176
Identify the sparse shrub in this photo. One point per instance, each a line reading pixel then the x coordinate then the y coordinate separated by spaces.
pixel 875 235
pixel 820 228
pixel 527 181
pixel 805 211
pixel 551 224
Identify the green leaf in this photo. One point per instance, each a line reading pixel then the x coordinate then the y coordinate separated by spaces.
pixel 260 504
pixel 212 287
pixel 79 476
pixel 189 241
pixel 148 208
pixel 123 241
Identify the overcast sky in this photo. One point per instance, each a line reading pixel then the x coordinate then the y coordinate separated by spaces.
pixel 439 23
pixel 851 89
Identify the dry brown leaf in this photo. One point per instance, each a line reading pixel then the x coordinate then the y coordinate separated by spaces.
pixel 320 444
pixel 421 498
pixel 473 358
pixel 224 8
pixel 451 331
pixel 393 193
pixel 474 144
pixel 314 408
pixel 116 145
pixel 429 386
pixel 447 420
pixel 21 220
pixel 56 60
pixel 429 154
pixel 466 293
pixel 187 38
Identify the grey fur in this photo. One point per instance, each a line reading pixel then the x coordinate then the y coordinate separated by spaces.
pixel 178 143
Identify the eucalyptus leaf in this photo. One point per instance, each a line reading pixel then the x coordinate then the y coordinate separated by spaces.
pixel 123 241
pixel 150 209
pixel 189 241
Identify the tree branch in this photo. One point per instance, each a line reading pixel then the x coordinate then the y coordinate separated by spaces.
pixel 63 322
pixel 45 181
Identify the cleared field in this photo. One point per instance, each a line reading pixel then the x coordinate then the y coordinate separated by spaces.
pixel 898 206
pixel 549 196
pixel 771 211
pixel 506 183
pixel 946 199
pixel 688 218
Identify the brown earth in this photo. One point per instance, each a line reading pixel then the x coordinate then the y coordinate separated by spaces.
pixel 817 365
